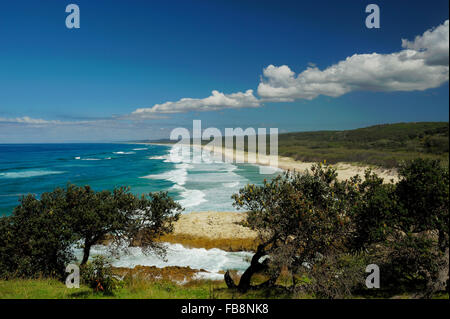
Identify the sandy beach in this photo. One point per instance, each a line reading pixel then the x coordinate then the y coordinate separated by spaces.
pixel 344 170
pixel 215 229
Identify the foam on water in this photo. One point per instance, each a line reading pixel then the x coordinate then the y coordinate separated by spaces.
pixel 191 197
pixel 28 173
pixel 230 185
pixel 124 153
pixel 158 157
pixel 177 176
pixel 200 186
pixel 212 260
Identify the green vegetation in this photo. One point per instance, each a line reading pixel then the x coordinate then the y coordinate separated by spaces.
pixel 144 289
pixel 98 274
pixel 138 289
pixel 37 239
pixel 323 232
pixel 149 289
pixel 382 145
pixel 316 235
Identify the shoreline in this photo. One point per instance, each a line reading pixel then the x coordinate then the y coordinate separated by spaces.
pixel 344 170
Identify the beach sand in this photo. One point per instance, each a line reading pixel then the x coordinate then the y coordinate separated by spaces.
pixel 213 230
pixel 222 229
pixel 344 170
pixel 213 225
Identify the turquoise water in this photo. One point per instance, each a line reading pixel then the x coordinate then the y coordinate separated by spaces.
pixel 38 168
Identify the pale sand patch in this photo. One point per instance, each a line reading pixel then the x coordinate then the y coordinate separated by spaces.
pixel 344 170
pixel 213 225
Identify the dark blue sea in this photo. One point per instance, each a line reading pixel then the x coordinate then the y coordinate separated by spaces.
pixel 38 168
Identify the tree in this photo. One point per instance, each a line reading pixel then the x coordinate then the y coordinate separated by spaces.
pixel 423 192
pixel 406 225
pixel 374 212
pixel 423 195
pixel 299 218
pixel 38 238
pixel 122 216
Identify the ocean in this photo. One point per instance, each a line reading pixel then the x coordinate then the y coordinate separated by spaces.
pixel 38 168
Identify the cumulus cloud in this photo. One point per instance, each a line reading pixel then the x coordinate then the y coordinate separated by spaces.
pixel 422 64
pixel 216 101
pixel 432 46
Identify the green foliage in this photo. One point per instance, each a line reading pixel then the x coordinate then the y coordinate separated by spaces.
pixel 374 211
pixel 417 249
pixel 98 275
pixel 410 263
pixel 299 217
pixel 321 228
pixel 120 215
pixel 37 239
pixel 336 276
pixel 424 195
pixel 383 145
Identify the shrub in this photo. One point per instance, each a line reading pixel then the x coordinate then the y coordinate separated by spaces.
pixel 336 276
pixel 98 275
pixel 406 226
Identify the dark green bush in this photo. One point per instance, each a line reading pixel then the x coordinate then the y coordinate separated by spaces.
pixel 38 238
pixel 314 219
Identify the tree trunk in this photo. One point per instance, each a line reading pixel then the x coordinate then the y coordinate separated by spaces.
pixel 86 251
pixel 229 281
pixel 255 267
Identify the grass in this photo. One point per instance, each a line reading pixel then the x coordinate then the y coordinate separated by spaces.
pixel 137 289
pixel 141 288
pixel 54 289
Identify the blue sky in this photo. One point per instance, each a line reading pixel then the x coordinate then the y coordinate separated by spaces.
pixel 62 85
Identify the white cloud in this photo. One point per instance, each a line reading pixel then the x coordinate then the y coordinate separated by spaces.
pixel 432 46
pixel 28 120
pixel 423 64
pixel 214 102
